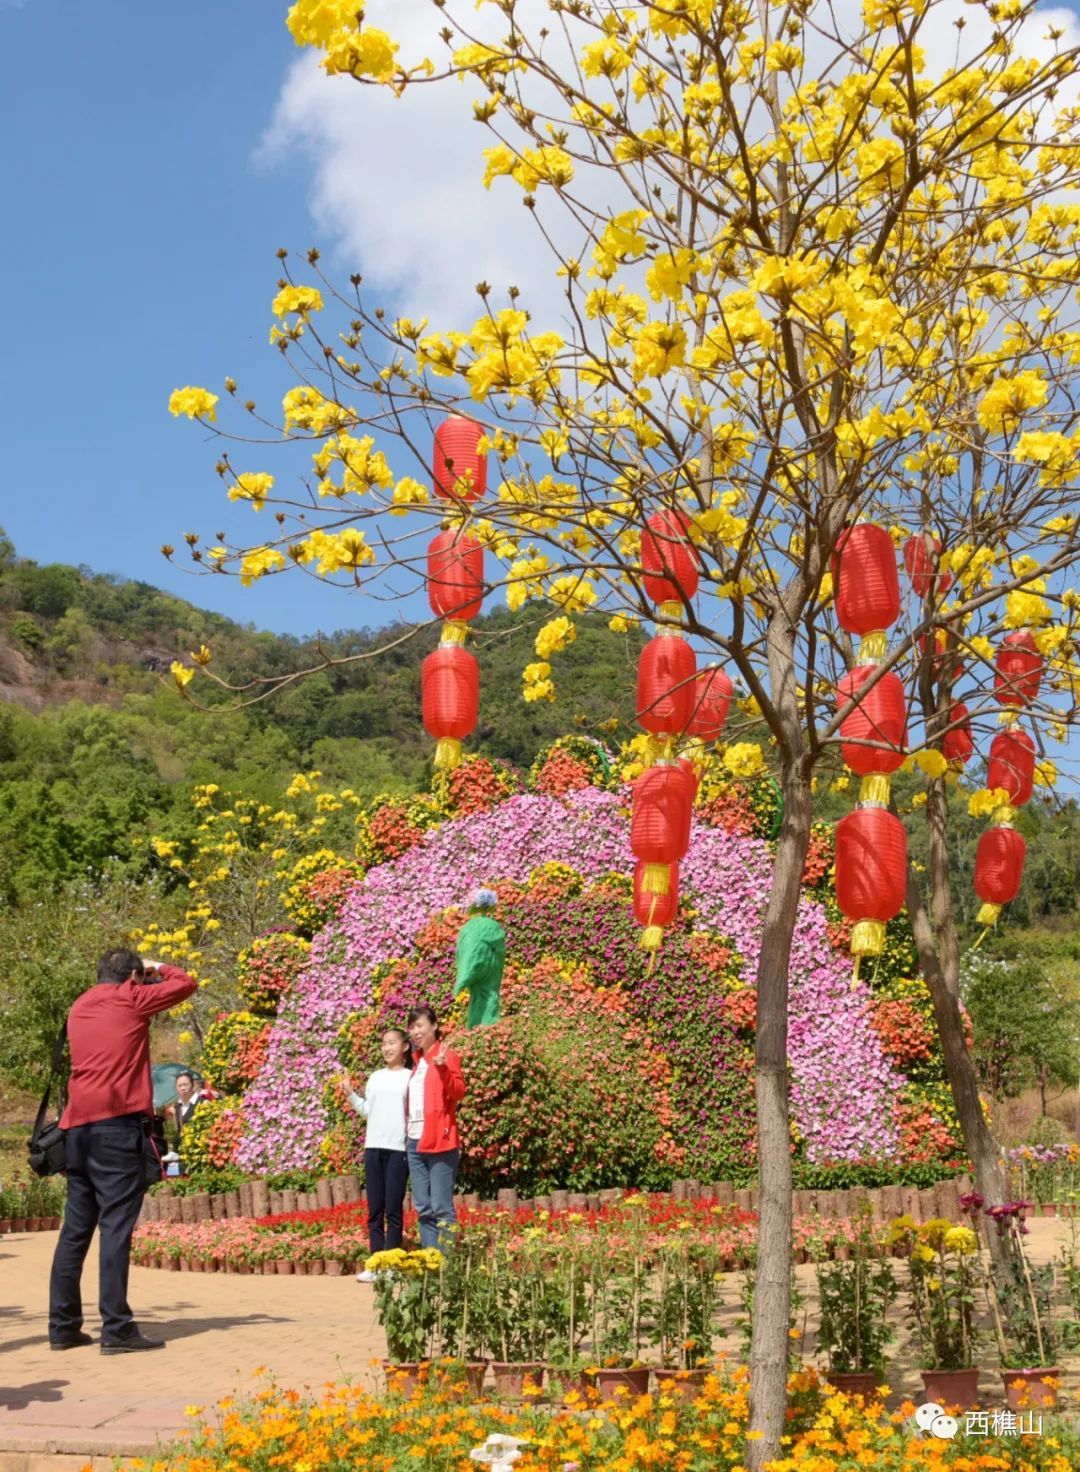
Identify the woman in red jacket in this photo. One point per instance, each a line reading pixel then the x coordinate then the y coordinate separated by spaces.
pixel 432 1143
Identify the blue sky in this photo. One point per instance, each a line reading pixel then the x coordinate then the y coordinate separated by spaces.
pixel 138 253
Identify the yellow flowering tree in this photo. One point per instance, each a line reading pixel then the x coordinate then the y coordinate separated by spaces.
pixel 819 271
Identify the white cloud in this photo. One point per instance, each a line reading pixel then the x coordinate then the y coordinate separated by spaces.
pixel 396 187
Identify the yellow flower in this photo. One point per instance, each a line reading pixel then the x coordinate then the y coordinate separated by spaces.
pixel 196 403
pixel 181 674
pixel 257 562
pixel 201 655
pixel 299 299
pixel 253 486
pixel 986 801
pixel 744 759
pixel 930 761
pixel 555 635
pixel 1008 398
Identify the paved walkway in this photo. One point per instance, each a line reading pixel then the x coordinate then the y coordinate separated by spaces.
pixel 219 1329
pixel 60 1411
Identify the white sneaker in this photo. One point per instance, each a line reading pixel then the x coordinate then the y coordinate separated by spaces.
pixel 366 1277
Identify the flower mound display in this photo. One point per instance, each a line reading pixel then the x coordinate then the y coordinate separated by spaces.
pixel 846 1092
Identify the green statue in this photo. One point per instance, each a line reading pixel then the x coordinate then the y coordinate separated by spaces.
pixel 481 956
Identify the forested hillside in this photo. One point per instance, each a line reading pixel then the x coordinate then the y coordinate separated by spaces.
pixel 99 753
pixel 96 743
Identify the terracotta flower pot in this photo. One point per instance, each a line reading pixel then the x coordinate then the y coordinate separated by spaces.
pixel 36 1224
pixel 609 1381
pixel 332 1267
pixel 405 1379
pixel 855 1382
pixel 464 1380
pixel 1049 1208
pixel 564 1383
pixel 283 1266
pixel 55 1223
pixel 5 1226
pixel 686 1384
pixel 172 1264
pixel 300 1268
pixel 952 1387
pixel 1028 1390
pixel 510 1376
pixel 185 1265
pixel 316 1268
pixel 18 1224
pixel 197 1265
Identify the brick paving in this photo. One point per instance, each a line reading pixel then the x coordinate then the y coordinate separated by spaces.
pixel 219 1329
pixel 60 1411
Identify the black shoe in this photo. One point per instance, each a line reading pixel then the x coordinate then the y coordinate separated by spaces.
pixel 76 1341
pixel 131 1345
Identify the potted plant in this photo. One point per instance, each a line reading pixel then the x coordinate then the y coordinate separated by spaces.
pixel 620 1304
pixel 943 1263
pixel 855 1297
pixel 463 1320
pixel 1021 1305
pixel 7 1205
pixel 407 1304
pixel 522 1312
pixel 567 1324
pixel 689 1283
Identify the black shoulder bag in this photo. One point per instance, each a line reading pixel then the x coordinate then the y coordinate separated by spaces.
pixel 48 1156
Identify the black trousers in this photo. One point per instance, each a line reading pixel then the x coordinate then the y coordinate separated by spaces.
pixel 106 1183
pixel 386 1174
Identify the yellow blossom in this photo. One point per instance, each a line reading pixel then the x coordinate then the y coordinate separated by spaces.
pixel 555 635
pixel 196 403
pixel 253 486
pixel 181 674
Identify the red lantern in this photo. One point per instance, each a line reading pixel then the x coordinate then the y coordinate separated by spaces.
pixel 942 659
pixel 669 559
pixel 1012 765
pixel 692 775
pixel 958 744
pixel 455 575
pixel 999 869
pixel 881 715
pixel 866 585
pixel 656 909
pixel 663 801
pixel 712 697
pixel 871 873
pixel 1017 669
pixel 460 470
pixel 922 556
pixel 666 685
pixel 450 696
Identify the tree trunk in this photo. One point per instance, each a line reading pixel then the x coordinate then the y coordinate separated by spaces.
pixel 982 1148
pixel 770 1346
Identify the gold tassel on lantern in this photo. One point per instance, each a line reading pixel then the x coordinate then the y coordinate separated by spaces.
pixel 668 613
pixel 876 788
pixel 454 632
pixel 447 754
pixel 873 646
pixel 868 938
pixel 654 879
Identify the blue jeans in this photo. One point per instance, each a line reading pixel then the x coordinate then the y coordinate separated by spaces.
pixel 432 1180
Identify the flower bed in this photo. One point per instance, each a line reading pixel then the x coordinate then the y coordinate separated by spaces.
pixel 339 1234
pixel 435 1430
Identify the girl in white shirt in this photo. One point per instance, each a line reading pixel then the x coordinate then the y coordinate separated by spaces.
pixel 386 1170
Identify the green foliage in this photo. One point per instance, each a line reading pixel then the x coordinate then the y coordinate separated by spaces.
pixel 1025 1030
pixel 49 951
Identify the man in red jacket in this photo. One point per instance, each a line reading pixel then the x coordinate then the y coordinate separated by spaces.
pixel 110 1105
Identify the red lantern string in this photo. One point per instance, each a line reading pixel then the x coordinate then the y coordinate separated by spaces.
pixel 999 871
pixel 450 696
pixel 958 744
pixel 871 874
pixel 653 911
pixel 1018 669
pixel 459 470
pixel 1012 766
pixel 455 575
pixel 666 685
pixel 880 716
pixel 669 560
pixel 662 807
pixel 922 558
pixel 866 585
